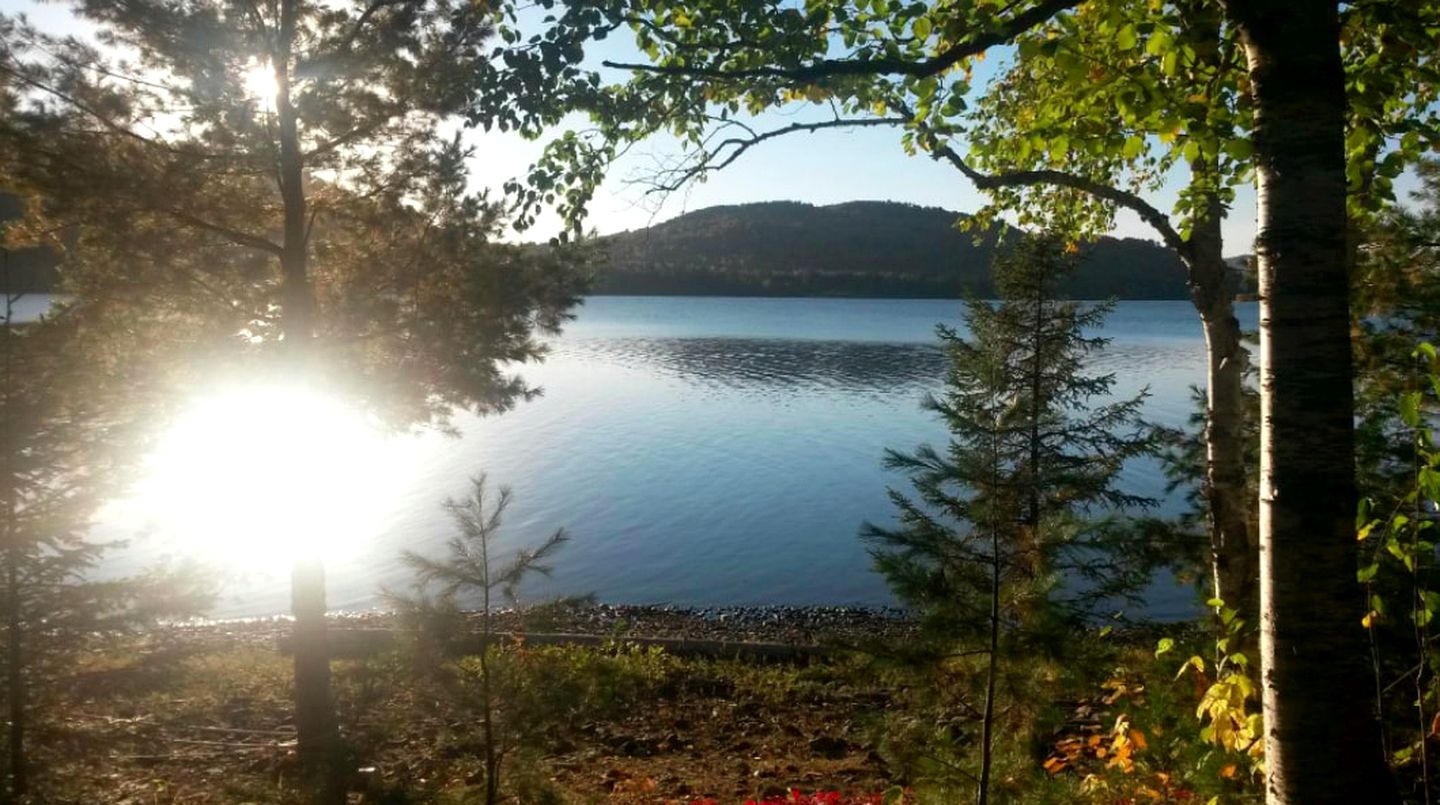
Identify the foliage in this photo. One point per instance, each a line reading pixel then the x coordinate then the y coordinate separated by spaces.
pixel 1396 304
pixel 1400 576
pixel 997 555
pixel 57 466
pixel 471 569
pixel 1139 738
pixel 1030 454
pixel 1118 94
pixel 165 151
pixel 797 797
pixel 1228 706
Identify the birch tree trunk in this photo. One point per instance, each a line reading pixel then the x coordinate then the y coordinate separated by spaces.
pixel 1322 743
pixel 1233 550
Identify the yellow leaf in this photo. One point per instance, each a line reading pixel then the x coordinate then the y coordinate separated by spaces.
pixel 1369 619
pixel 1138 738
pixel 1229 770
pixel 1364 532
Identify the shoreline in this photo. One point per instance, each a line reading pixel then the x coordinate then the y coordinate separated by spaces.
pixel 789 625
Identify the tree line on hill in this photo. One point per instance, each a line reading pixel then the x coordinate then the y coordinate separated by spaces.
pixel 873 249
pixel 863 249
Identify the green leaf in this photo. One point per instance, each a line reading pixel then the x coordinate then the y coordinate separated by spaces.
pixel 1125 38
pixel 922 28
pixel 1166 644
pixel 1410 409
pixel 1365 574
pixel 1170 62
pixel 1133 145
pixel 1158 44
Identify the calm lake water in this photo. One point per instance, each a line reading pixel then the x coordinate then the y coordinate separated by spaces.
pixel 716 451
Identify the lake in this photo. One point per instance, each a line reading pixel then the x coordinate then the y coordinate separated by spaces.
pixel 712 451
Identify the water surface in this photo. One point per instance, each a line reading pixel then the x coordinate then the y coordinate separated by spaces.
pixel 718 451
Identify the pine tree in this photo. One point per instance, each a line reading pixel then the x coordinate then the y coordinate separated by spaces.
pixel 278 187
pixel 56 469
pixel 472 568
pixel 1002 547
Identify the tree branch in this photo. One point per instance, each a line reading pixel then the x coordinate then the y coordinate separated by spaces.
pixel 1157 220
pixel 233 235
pixel 743 144
pixel 824 68
pixel 370 11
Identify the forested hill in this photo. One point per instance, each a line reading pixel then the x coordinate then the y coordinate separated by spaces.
pixel 860 248
pixel 27 270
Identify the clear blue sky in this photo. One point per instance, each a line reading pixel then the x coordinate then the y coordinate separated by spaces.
pixel 826 167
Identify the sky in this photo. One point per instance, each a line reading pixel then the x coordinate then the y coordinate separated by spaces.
pixel 826 167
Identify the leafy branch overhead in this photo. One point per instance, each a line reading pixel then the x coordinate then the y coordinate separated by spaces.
pixel 1100 101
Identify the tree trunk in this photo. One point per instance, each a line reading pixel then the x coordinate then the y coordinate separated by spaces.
pixel 1322 744
pixel 316 733
pixel 18 783
pixel 316 728
pixel 1233 551
pixel 15 677
pixel 992 670
pixel 492 754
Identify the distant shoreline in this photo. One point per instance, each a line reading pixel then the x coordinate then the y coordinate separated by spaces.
pixel 1239 298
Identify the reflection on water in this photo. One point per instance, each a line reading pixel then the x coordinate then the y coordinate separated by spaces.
pixel 895 371
pixel 767 365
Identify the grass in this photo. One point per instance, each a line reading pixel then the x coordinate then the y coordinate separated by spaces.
pixel 159 720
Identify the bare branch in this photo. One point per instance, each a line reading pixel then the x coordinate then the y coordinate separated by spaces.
pixel 707 161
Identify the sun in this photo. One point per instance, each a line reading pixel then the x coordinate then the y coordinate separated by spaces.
pixel 259 476
pixel 258 82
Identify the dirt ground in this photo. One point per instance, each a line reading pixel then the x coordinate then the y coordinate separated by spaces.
pixel 203 714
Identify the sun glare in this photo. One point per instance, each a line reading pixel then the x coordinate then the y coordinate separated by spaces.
pixel 259 84
pixel 257 477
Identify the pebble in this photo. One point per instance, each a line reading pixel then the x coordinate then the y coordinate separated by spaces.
pixel 799 625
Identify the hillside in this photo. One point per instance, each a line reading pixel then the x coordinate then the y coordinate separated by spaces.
pixel 861 248
pixel 29 270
